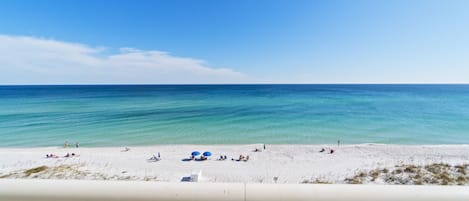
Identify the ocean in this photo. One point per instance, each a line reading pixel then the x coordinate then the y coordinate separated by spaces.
pixel 132 115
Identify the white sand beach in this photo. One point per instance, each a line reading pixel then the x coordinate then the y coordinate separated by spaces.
pixel 287 163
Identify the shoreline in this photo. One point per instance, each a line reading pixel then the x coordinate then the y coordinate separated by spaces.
pixel 72 145
pixel 287 163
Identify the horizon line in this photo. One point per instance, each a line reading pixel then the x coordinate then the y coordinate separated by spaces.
pixel 195 84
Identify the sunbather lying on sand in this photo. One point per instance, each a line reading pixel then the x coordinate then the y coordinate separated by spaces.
pixel 51 156
pixel 126 149
pixel 242 158
pixel 70 155
pixel 154 158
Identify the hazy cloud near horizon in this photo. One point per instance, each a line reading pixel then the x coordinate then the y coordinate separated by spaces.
pixel 32 60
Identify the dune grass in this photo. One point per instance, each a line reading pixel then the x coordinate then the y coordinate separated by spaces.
pixel 433 174
pixel 35 170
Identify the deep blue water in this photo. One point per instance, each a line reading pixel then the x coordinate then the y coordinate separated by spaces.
pixel 118 115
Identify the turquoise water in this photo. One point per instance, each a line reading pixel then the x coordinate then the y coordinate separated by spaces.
pixel 118 115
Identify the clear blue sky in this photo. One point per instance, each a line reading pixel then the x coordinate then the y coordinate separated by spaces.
pixel 275 41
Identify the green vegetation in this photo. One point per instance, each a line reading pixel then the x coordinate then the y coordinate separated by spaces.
pixel 433 174
pixel 68 172
pixel 35 170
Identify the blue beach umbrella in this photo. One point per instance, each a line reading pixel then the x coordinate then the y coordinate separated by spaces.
pixel 195 153
pixel 207 153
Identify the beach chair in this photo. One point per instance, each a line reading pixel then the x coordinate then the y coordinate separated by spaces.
pixel 195 176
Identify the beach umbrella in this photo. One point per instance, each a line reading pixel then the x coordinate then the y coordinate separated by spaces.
pixel 207 153
pixel 195 153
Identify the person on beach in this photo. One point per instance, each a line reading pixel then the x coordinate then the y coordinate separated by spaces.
pixel 67 155
pixel 153 158
pixel 77 144
pixel 222 157
pixel 332 151
pixel 264 146
pixel 51 156
pixel 338 143
pixel 322 150
pixel 66 144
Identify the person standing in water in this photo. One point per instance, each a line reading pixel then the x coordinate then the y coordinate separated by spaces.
pixel 77 144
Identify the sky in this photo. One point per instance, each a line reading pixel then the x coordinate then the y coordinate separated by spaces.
pixel 233 41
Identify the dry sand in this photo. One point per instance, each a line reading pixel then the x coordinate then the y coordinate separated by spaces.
pixel 288 163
